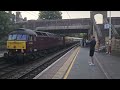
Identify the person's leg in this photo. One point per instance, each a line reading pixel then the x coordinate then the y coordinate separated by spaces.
pixel 92 60
pixel 89 60
pixel 107 49
pixel 93 57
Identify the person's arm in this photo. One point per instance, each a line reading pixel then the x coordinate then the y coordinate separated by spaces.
pixel 90 42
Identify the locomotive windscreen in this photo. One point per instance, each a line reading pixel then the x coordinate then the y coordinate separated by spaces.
pixel 17 37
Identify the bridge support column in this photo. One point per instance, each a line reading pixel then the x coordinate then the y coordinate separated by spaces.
pixel 101 41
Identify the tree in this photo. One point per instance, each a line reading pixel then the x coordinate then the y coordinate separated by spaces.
pixel 50 15
pixel 83 35
pixel 5 22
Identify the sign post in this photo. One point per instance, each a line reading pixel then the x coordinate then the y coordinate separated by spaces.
pixel 110 34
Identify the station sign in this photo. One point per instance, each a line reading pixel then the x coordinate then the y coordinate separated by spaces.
pixel 106 26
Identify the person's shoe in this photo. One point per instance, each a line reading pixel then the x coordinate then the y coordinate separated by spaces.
pixel 91 64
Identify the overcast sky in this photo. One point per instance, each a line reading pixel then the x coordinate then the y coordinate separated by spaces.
pixel 72 14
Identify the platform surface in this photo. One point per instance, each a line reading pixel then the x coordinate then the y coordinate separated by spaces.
pixel 74 65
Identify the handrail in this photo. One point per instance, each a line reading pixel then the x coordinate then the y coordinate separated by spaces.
pixel 114 30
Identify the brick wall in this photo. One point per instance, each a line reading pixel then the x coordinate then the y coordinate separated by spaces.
pixel 116 46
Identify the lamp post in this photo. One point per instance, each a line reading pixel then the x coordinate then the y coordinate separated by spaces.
pixel 110 33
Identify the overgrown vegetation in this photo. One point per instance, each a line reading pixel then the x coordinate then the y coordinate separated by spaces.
pixel 50 15
pixel 6 24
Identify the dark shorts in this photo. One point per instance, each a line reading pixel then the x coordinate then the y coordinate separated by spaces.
pixel 91 52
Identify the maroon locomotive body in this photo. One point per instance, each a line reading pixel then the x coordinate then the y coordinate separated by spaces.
pixel 45 40
pixel 33 41
pixel 26 42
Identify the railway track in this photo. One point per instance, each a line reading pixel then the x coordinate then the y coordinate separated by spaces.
pixel 31 69
pixel 31 74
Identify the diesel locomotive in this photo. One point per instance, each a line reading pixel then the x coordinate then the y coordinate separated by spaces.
pixel 23 42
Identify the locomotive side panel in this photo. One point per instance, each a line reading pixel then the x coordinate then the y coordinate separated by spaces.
pixel 41 43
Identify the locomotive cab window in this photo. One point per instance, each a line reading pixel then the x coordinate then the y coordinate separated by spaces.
pixel 21 37
pixel 44 34
pixel 17 37
pixel 10 37
pixel 30 38
pixel 50 34
pixel 40 34
pixel 34 38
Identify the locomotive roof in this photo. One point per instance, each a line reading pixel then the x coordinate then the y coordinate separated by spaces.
pixel 41 31
pixel 48 33
pixel 24 31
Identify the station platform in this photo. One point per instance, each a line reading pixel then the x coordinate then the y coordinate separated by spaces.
pixel 74 65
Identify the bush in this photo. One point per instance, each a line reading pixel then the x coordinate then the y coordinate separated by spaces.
pixel 2 42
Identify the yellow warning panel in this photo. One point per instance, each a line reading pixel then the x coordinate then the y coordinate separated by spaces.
pixel 16 44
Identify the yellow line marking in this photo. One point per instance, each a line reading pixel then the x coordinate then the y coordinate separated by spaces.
pixel 70 67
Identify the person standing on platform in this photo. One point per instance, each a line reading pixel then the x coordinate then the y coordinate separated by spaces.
pixel 83 42
pixel 80 42
pixel 92 50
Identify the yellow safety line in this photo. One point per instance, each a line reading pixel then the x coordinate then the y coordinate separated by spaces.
pixel 68 71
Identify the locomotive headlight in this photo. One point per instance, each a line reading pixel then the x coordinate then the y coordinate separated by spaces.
pixel 14 47
pixel 22 50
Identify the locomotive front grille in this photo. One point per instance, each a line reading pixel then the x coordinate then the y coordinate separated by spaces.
pixel 16 44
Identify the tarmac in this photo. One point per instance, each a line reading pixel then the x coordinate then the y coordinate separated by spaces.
pixel 74 65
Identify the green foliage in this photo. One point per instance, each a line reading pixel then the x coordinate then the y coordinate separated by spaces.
pixel 5 23
pixel 50 15
pixel 2 43
pixel 83 35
